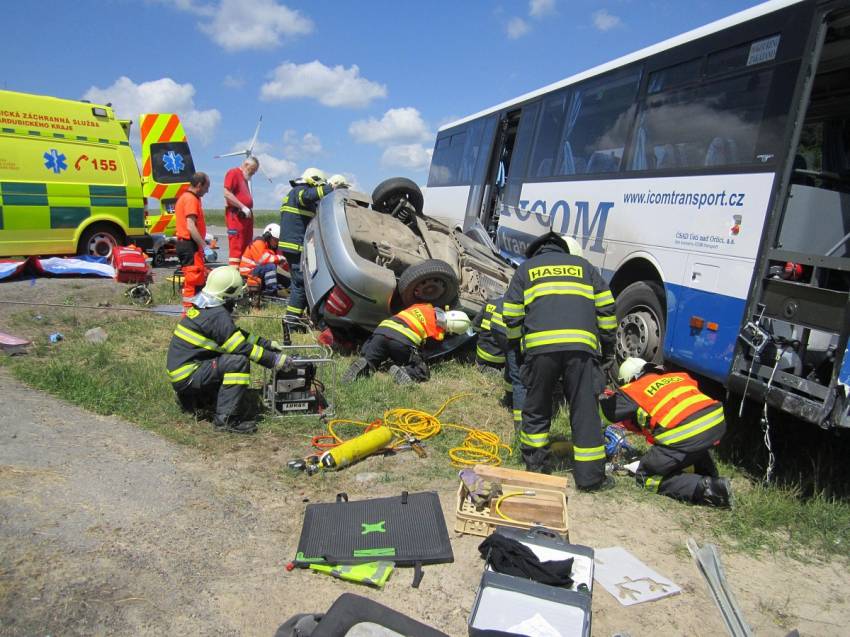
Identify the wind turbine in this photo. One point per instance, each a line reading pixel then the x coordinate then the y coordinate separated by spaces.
pixel 249 152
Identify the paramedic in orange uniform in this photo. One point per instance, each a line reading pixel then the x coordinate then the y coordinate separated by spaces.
pixel 191 230
pixel 239 204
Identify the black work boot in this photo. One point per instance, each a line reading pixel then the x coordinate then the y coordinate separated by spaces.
pixel 400 375
pixel 603 485
pixel 716 492
pixel 358 368
pixel 186 401
pixel 235 425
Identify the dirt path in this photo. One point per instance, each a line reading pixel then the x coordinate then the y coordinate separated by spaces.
pixel 108 529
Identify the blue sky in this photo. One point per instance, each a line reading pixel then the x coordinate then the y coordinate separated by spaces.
pixel 358 88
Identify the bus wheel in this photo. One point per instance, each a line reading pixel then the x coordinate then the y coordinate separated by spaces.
pixel 641 322
pixel 100 240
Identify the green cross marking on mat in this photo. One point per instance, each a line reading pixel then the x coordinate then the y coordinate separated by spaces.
pixel 377 527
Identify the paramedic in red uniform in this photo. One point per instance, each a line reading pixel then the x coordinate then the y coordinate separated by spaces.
pixel 239 205
pixel 191 230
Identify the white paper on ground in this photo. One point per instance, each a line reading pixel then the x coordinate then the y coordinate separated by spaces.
pixel 628 579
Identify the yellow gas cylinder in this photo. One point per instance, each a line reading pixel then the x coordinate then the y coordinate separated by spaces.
pixel 357 448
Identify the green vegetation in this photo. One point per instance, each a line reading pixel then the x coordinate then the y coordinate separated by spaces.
pixel 215 217
pixel 125 376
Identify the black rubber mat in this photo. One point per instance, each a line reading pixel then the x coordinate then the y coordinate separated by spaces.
pixel 406 529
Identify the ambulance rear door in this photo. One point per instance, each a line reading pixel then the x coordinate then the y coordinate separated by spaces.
pixel 166 168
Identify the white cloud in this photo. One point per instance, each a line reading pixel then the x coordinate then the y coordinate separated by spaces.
pixel 307 144
pixel 411 156
pixel 159 96
pixel 236 25
pixel 337 86
pixel 516 28
pixel 231 81
pixel 538 8
pixel 276 167
pixel 396 125
pixel 605 21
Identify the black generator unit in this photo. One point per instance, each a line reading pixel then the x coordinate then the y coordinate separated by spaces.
pixel 296 391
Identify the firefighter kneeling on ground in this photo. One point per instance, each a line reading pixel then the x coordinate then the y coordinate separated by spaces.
pixel 681 423
pixel 209 357
pixel 560 316
pixel 399 338
pixel 261 260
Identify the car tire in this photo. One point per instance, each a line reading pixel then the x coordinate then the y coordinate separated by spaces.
pixel 159 258
pixel 99 240
pixel 432 281
pixel 641 322
pixel 387 194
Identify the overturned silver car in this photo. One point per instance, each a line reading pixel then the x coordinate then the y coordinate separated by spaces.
pixel 367 258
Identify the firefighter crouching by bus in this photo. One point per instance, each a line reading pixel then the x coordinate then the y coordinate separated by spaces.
pixel 492 352
pixel 298 209
pixel 399 338
pixel 261 260
pixel 681 423
pixel 560 315
pixel 209 357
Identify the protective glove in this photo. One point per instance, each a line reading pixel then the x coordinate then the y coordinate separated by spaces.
pixel 276 346
pixel 283 363
pixel 338 181
pixel 246 211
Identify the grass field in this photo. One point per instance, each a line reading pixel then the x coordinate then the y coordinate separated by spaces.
pixel 215 217
pixel 125 376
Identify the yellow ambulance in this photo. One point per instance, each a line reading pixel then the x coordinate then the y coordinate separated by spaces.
pixel 70 183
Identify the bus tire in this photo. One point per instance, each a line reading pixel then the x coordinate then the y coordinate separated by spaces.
pixel 641 322
pixel 100 239
pixel 389 192
pixel 432 281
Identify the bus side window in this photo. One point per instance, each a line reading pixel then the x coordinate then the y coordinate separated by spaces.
pixel 716 124
pixel 598 117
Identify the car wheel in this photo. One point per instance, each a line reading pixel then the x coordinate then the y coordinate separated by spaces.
pixel 388 194
pixel 432 281
pixel 159 258
pixel 100 240
pixel 641 322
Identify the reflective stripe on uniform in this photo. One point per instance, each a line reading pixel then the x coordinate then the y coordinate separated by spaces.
pixel 588 454
pixel 236 378
pixel 496 319
pixel 198 340
pixel 558 287
pixel 691 429
pixel 553 337
pixel 298 211
pixel 652 483
pixel 291 309
pixel 534 440
pixel 508 387
pixel 235 340
pixel 606 322
pixel 286 246
pixel 402 329
pixel 514 332
pixel 183 372
pixel 513 310
pixel 486 356
pixel 671 415
pixel 670 396
pixel 601 299
pixel 517 415
pixel 256 354
pixel 485 324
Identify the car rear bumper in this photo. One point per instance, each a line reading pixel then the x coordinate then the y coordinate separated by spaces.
pixel 330 259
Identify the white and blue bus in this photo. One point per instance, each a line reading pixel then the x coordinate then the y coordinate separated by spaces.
pixel 708 177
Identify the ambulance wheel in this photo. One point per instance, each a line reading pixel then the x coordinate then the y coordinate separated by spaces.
pixel 100 240
pixel 388 194
pixel 432 281
pixel 641 322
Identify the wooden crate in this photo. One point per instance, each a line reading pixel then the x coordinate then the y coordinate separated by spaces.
pixel 517 478
pixel 546 507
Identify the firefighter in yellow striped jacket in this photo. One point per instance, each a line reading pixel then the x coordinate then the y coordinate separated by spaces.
pixel 209 357
pixel 559 313
pixel 489 353
pixel 681 423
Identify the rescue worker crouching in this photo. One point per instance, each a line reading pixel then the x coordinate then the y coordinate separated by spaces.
pixel 399 338
pixel 261 260
pixel 209 357
pixel 298 209
pixel 560 316
pixel 681 423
